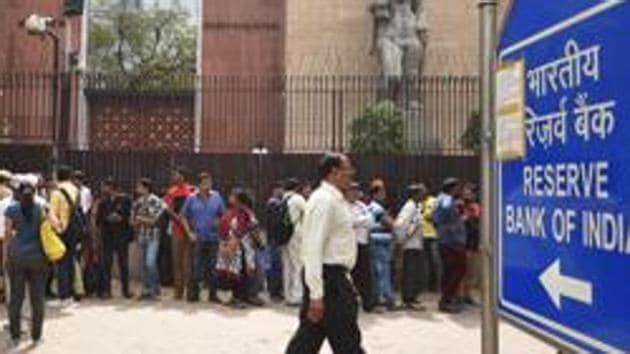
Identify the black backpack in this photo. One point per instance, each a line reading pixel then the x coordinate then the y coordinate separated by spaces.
pixel 77 225
pixel 280 227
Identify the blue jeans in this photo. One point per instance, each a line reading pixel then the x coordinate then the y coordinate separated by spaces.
pixel 65 268
pixel 203 264
pixel 381 254
pixel 150 249
pixel 274 271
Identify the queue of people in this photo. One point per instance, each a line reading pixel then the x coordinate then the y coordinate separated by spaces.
pixel 208 244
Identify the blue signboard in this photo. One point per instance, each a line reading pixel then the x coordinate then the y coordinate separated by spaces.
pixel 564 208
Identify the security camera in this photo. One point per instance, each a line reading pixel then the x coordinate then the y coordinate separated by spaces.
pixel 36 24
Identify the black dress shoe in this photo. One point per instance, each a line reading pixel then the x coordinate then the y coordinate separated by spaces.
pixel 255 301
pixel 450 308
pixel 237 304
pixel 213 298
pixel 374 310
pixel 414 307
pixel 470 301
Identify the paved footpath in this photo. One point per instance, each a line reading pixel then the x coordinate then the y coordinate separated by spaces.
pixel 131 327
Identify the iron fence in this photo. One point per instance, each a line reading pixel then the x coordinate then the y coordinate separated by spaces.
pixel 142 127
pixel 256 172
pixel 226 114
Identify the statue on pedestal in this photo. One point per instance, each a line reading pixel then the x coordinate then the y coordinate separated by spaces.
pixel 399 40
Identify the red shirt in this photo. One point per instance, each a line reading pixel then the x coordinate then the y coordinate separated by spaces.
pixel 472 211
pixel 175 199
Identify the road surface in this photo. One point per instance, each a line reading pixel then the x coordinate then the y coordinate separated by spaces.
pixel 131 327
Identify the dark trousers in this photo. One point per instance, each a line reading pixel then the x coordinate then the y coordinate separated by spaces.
pixel 93 279
pixel 454 266
pixel 434 264
pixel 32 271
pixel 165 259
pixel 413 274
pixel 240 286
pixel 362 277
pixel 203 262
pixel 65 268
pixel 121 249
pixel 339 324
pixel 274 274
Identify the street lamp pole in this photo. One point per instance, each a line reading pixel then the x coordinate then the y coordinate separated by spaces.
pixel 260 151
pixel 56 121
pixel 40 25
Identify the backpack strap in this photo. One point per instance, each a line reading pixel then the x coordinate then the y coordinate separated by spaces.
pixel 73 205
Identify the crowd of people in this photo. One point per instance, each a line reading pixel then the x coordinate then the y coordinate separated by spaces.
pixel 193 239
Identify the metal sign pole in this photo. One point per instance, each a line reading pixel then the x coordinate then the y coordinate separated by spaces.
pixel 487 66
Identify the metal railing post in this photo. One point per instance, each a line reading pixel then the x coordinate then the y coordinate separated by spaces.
pixel 487 66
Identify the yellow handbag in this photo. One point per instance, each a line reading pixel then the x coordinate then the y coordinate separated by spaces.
pixel 51 243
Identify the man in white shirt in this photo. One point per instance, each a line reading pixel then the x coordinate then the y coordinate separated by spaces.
pixel 85 194
pixel 329 251
pixel 291 262
pixel 408 227
pixel 6 196
pixel 362 220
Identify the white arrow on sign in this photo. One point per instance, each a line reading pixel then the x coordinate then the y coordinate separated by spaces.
pixel 558 286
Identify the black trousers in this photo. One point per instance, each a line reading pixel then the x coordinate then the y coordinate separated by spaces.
pixel 121 249
pixel 34 272
pixel 65 267
pixel 413 275
pixel 454 263
pixel 165 259
pixel 339 324
pixel 362 277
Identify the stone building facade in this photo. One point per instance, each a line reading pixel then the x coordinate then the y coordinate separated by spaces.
pixel 261 40
pixel 334 37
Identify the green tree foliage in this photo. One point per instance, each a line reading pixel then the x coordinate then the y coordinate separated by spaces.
pixel 378 130
pixel 471 139
pixel 143 49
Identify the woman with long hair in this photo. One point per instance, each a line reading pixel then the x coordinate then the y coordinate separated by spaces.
pixel 26 263
pixel 240 238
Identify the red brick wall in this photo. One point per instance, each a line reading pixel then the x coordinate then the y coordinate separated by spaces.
pixel 25 109
pixel 141 122
pixel 243 38
pixel 18 50
pixel 240 37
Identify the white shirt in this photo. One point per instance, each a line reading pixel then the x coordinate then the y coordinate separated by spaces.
pixel 85 199
pixel 328 237
pixel 408 225
pixel 4 204
pixel 361 222
pixel 297 206
pixel 379 231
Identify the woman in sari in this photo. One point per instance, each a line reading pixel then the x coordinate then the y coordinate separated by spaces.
pixel 240 240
